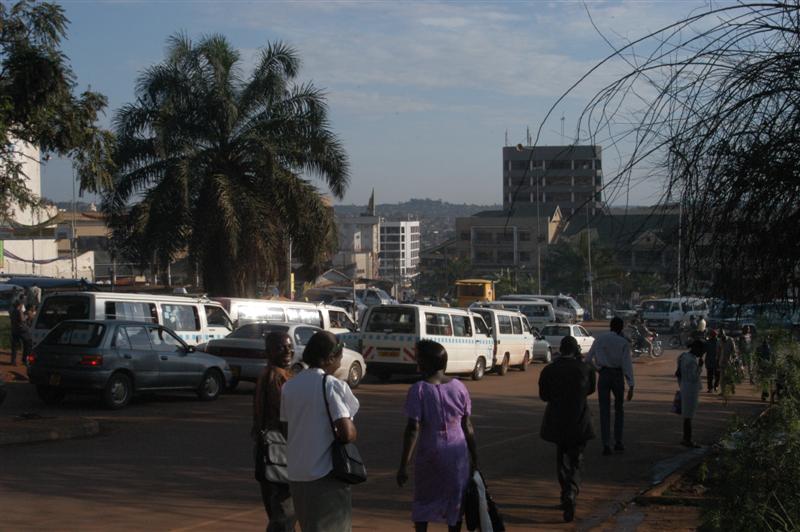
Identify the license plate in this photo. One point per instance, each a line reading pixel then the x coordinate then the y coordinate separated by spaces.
pixel 236 371
pixel 389 353
pixel 55 379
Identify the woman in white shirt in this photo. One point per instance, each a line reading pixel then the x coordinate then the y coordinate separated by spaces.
pixel 322 503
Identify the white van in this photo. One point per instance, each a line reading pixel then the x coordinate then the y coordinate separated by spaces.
pixel 390 333
pixel 512 335
pixel 668 313
pixel 566 308
pixel 195 320
pixel 538 312
pixel 330 318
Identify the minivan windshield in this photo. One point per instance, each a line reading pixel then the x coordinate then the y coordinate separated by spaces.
pixel 391 320
pixel 56 309
pixel 658 305
pixel 77 334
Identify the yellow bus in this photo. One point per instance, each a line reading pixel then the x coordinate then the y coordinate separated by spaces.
pixel 470 291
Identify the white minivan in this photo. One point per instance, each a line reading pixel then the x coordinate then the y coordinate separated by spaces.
pixel 512 335
pixel 538 312
pixel 390 333
pixel 567 310
pixel 330 318
pixel 668 313
pixel 195 320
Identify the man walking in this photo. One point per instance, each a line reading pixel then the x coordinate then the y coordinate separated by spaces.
pixel 19 330
pixel 567 422
pixel 611 354
pixel 712 364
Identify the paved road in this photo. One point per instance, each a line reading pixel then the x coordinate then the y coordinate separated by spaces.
pixel 171 462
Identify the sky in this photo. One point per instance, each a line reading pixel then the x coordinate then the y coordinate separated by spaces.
pixel 422 94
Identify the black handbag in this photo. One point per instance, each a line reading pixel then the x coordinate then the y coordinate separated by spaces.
pixel 347 463
pixel 472 504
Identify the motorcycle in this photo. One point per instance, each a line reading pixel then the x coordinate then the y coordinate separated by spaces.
pixel 639 347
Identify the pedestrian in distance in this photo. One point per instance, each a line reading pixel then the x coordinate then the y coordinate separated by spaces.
pixel 322 502
pixel 712 362
pixel 690 367
pixel 611 355
pixel 746 352
pixel 266 417
pixel 20 331
pixel 440 435
pixel 728 361
pixel 765 364
pixel 564 385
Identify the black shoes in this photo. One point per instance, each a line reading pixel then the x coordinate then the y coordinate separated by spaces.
pixel 690 444
pixel 607 451
pixel 619 447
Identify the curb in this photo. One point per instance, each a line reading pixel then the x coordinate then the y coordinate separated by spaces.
pixel 15 431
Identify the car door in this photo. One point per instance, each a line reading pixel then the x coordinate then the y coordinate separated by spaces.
pixel 176 369
pixel 463 345
pixel 135 347
pixel 585 340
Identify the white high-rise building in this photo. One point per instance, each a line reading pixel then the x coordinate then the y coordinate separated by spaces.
pixel 400 244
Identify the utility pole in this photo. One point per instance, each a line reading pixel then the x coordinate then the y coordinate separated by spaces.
pixel 589 249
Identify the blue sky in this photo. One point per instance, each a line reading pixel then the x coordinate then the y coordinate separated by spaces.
pixel 421 93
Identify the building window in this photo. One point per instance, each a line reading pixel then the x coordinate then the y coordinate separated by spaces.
pixel 483 256
pixel 524 236
pixel 524 256
pixel 598 164
pixel 505 257
pixel 464 235
pixel 559 165
pixel 519 165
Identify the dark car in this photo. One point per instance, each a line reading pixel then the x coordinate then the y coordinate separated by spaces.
pixel 120 358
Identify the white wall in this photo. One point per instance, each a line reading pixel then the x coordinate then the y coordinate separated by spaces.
pixel 44 249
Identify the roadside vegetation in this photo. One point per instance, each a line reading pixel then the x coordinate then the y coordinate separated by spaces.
pixel 755 479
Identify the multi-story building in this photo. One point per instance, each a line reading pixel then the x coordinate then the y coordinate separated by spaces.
pixel 494 240
pixel 399 255
pixel 359 244
pixel 568 177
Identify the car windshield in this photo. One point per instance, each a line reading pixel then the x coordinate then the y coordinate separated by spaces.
pixel 656 306
pixel 254 331
pixel 555 330
pixel 391 320
pixel 77 334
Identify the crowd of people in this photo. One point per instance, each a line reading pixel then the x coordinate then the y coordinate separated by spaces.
pixel 298 418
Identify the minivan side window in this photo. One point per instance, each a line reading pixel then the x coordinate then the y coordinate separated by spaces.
pixel 461 326
pixel 302 315
pixel 131 311
pixel 504 324
pixel 181 317
pixel 480 326
pixel 438 324
pixel 216 317
pixel 391 320
pixel 517 325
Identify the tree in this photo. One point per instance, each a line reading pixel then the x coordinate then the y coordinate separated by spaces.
pixel 38 105
pixel 219 160
pixel 714 104
pixel 566 265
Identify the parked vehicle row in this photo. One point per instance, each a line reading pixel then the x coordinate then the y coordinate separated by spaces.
pixel 667 314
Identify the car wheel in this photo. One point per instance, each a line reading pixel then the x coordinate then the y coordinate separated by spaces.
pixel 210 386
pixel 526 360
pixel 118 391
pixel 50 395
pixel 502 369
pixel 480 369
pixel 354 375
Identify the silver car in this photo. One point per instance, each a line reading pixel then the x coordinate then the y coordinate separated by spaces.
pixel 245 352
pixel 119 358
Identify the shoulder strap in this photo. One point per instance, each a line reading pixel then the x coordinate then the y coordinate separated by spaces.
pixel 327 406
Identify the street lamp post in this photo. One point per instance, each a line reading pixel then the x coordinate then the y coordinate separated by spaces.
pixel 521 148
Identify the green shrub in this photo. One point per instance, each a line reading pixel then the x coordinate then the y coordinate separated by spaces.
pixel 757 476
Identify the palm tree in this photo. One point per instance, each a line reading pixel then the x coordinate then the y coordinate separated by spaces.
pixel 214 163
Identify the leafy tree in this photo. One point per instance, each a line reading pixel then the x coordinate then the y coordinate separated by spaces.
pixel 710 104
pixel 38 105
pixel 216 159
pixel 566 266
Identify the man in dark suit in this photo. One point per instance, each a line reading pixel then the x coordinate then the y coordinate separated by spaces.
pixel 564 385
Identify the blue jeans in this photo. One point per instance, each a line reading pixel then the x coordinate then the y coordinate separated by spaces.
pixel 611 381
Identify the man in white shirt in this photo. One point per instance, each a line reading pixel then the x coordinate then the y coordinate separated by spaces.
pixel 321 502
pixel 611 355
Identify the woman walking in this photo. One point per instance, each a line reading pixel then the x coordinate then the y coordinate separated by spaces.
pixel 266 418
pixel 321 501
pixel 690 366
pixel 438 409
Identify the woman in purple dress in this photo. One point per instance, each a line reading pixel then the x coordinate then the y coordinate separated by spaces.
pixel 439 427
